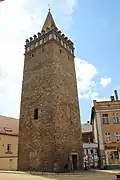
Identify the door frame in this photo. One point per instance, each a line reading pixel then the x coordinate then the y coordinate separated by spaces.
pixel 72 160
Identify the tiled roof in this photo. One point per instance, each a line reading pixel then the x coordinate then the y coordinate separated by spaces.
pixel 9 125
pixel 49 22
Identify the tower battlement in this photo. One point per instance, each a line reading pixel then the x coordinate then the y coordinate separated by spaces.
pixel 47 35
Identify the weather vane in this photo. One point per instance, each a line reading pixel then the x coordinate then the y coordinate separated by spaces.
pixel 49 7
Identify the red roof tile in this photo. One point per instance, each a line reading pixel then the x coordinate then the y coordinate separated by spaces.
pixel 9 125
pixel 49 21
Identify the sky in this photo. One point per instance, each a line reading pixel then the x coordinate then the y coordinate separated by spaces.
pixel 93 26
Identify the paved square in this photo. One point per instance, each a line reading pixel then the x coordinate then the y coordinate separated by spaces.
pixel 84 176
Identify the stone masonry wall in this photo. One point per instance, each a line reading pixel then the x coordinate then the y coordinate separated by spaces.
pixel 49 84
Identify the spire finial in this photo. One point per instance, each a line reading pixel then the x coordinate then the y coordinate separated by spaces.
pixel 49 7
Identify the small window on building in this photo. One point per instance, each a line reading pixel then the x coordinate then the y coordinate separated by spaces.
pixel 105 118
pixel 28 49
pixel 116 119
pixel 8 147
pixel 107 137
pixel 32 46
pixel 36 114
pixel 62 43
pixel 117 134
pixel 36 44
pixel 65 45
pixel 60 51
pixel 55 37
pixel 91 151
pixel 85 152
pixel 116 154
pixel 40 41
pixel 45 39
pixel 95 151
pixel 32 55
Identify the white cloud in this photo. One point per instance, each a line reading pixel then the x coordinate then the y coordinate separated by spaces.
pixel 105 81
pixel 19 20
pixel 85 73
pixel 102 99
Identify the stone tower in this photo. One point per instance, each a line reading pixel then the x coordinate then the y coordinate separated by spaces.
pixel 50 129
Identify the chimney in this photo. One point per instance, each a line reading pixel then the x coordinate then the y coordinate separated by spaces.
pixel 112 98
pixel 116 95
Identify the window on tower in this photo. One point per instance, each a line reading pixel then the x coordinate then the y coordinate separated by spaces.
pixel 60 51
pixel 55 37
pixel 36 44
pixel 32 55
pixel 32 46
pixel 36 114
pixel 62 43
pixel 45 39
pixel 40 41
pixel 50 36
pixel 28 49
pixel 65 45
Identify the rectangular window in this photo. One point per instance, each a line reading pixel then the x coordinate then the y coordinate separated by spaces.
pixel 117 134
pixel 107 137
pixel 50 36
pixel 85 152
pixel 36 114
pixel 8 147
pixel 32 46
pixel 95 151
pixel 45 39
pixel 40 42
pixel 116 119
pixel 105 118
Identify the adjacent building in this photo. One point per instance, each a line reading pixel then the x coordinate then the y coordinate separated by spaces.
pixel 8 143
pixel 105 119
pixel 89 146
pixel 50 137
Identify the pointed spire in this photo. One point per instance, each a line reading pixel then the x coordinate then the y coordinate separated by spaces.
pixel 49 22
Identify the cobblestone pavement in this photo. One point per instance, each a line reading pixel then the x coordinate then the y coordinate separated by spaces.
pixel 78 176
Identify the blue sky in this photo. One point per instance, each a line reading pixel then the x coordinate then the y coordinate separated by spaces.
pixel 97 38
pixel 94 27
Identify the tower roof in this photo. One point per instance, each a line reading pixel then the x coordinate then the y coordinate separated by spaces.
pixel 49 22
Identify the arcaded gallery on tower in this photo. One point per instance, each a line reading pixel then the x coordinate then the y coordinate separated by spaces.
pixel 50 136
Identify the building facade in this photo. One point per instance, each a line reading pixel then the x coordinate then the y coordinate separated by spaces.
pixel 50 136
pixel 8 143
pixel 90 147
pixel 105 118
